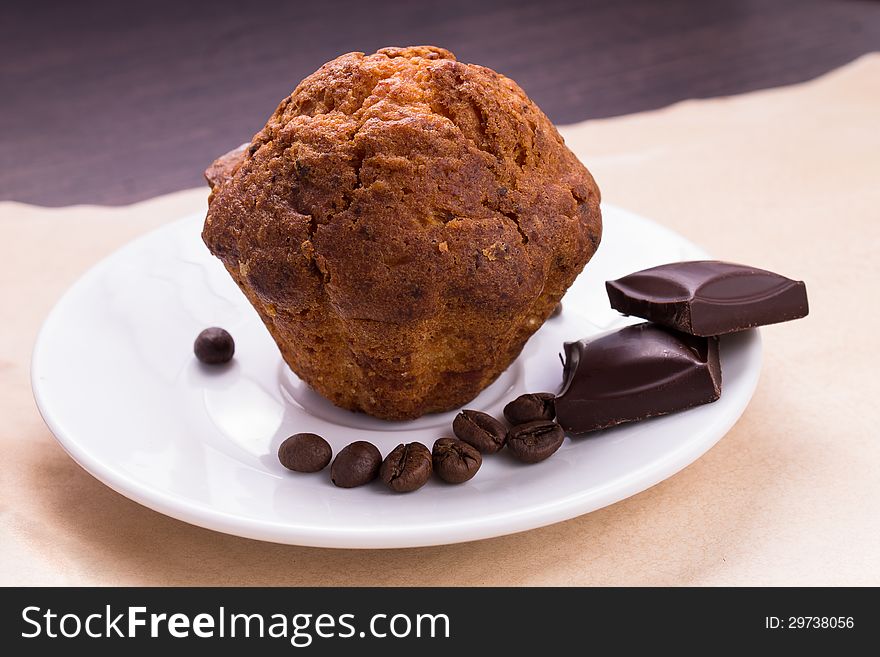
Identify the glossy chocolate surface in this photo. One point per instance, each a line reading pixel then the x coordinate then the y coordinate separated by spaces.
pixel 709 297
pixel 635 373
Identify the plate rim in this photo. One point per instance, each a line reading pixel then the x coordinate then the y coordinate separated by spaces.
pixel 508 521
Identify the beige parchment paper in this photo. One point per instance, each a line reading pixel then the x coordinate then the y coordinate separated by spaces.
pixel 787 179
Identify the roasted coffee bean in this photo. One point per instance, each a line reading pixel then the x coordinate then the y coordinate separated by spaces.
pixel 406 468
pixel 214 346
pixel 530 407
pixel 480 430
pixel 535 441
pixel 455 461
pixel 305 452
pixel 557 311
pixel 356 464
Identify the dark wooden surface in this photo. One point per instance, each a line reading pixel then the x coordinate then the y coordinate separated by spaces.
pixel 112 102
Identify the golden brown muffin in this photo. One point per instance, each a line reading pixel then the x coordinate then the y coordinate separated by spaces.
pixel 402 224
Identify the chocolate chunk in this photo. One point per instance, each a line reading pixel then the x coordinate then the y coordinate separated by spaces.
pixel 406 468
pixel 455 461
pixel 635 373
pixel 533 442
pixel 305 452
pixel 356 464
pixel 214 346
pixel 480 430
pixel 530 407
pixel 708 297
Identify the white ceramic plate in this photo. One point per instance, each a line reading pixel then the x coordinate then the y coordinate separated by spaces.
pixel 115 379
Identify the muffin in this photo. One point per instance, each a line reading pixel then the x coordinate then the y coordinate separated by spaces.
pixel 402 224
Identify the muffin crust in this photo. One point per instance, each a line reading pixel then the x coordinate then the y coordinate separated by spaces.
pixel 402 224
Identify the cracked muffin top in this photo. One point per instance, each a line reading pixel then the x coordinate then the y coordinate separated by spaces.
pixel 403 223
pixel 396 147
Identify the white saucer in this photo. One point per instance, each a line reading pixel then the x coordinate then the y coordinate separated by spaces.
pixel 115 379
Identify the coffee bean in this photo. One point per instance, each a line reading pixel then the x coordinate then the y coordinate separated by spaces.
pixel 214 346
pixel 356 464
pixel 480 430
pixel 455 461
pixel 531 407
pixel 557 311
pixel 406 468
pixel 305 452
pixel 535 441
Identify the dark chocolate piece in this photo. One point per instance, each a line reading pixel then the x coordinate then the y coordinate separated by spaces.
pixel 709 297
pixel 635 373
